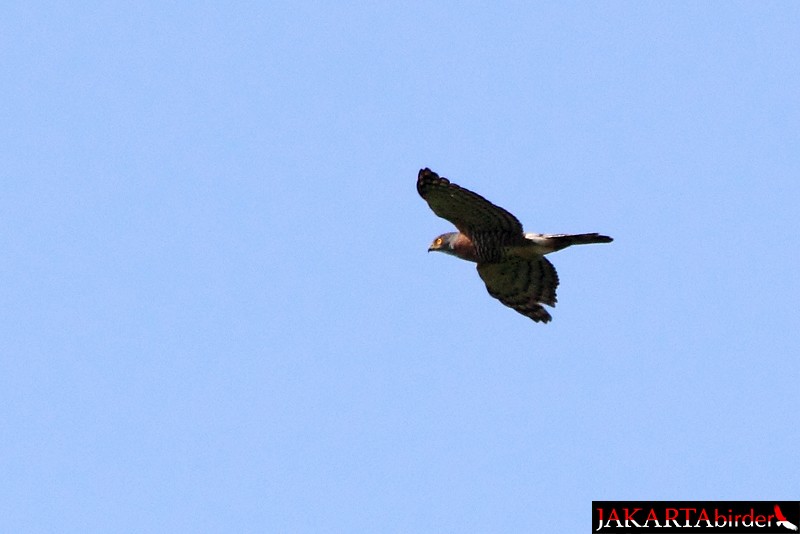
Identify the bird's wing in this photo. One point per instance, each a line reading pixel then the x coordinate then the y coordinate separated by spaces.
pixel 522 284
pixel 782 521
pixel 471 213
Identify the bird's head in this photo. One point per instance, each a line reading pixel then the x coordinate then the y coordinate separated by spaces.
pixel 455 244
pixel 444 243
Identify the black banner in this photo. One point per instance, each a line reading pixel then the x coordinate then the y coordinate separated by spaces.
pixel 726 517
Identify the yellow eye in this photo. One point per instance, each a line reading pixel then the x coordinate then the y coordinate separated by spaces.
pixel 438 241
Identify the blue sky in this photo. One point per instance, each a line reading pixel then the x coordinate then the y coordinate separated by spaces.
pixel 219 315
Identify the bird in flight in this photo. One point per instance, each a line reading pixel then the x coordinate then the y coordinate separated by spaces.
pixel 510 262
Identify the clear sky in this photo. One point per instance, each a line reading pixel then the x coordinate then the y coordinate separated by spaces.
pixel 217 312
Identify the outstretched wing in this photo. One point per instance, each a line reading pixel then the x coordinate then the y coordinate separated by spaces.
pixel 471 213
pixel 522 284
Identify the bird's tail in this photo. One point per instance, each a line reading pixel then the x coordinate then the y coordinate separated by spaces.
pixel 584 239
pixel 559 241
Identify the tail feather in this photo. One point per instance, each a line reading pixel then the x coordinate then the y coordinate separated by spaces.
pixel 583 239
pixel 553 242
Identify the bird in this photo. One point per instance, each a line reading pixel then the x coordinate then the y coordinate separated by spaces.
pixel 510 262
pixel 782 521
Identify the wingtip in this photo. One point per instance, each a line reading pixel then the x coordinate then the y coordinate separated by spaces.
pixel 427 179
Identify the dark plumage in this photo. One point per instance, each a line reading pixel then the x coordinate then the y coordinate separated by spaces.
pixel 510 262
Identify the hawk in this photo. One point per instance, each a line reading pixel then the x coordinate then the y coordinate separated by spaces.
pixel 510 262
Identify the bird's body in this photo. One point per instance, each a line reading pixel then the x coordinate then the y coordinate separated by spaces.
pixel 533 245
pixel 510 261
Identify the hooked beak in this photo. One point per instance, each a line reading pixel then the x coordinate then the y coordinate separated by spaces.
pixel 435 246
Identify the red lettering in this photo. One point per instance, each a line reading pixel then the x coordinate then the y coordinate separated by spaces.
pixel 652 516
pixel 613 515
pixel 718 517
pixel 759 520
pixel 704 517
pixel 688 516
pixel 747 519
pixel 671 514
pixel 629 516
